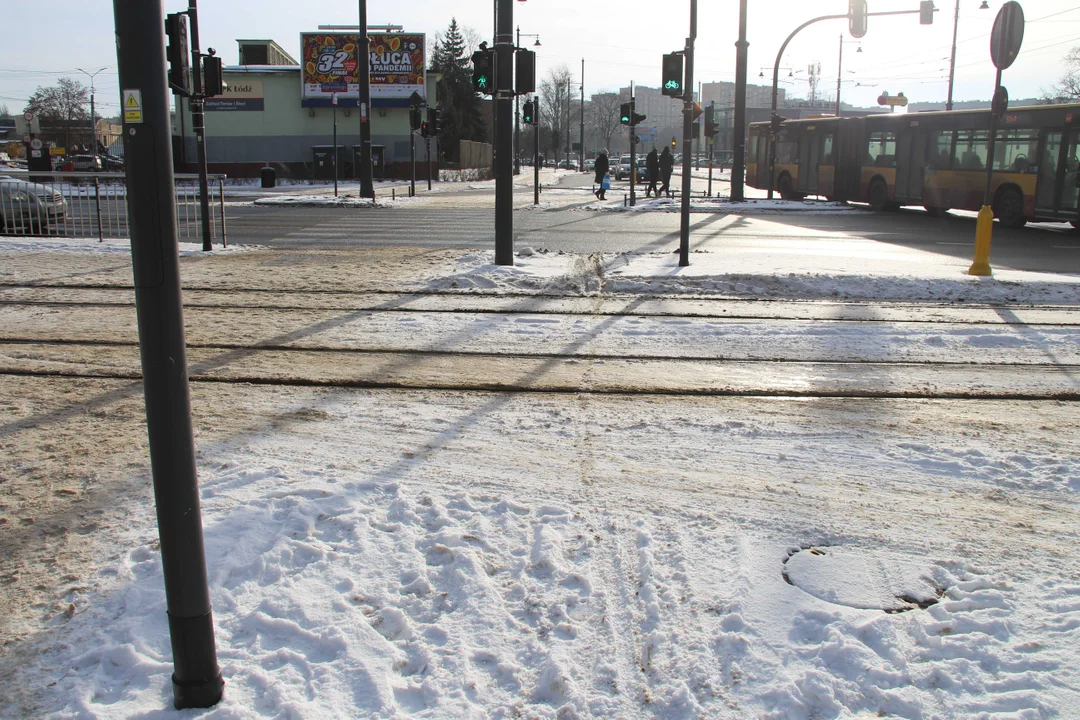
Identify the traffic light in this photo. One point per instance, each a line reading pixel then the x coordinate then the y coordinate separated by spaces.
pixel 176 28
pixel 637 118
pixel 776 123
pixel 425 129
pixel 481 73
pixel 527 113
pixel 414 118
pixel 213 82
pixel 524 71
pixel 673 145
pixel 432 122
pixel 672 81
pixel 710 121
pixel 926 12
pixel 624 113
pixel 857 18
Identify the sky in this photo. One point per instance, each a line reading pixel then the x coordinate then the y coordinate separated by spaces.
pixel 619 42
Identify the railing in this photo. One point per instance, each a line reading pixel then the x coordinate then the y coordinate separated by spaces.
pixel 94 204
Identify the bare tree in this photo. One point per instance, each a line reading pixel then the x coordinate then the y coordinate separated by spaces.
pixel 603 116
pixel 63 110
pixel 1068 88
pixel 554 107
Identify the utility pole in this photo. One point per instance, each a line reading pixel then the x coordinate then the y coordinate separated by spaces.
pixel 688 125
pixel 504 133
pixel 367 183
pixel 151 203
pixel 333 101
pixel 198 123
pixel 581 150
pixel 517 123
pixel 952 58
pixel 738 136
pixel 839 73
pixel 536 150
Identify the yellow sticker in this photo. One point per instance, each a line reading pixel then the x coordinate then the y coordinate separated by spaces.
pixel 133 106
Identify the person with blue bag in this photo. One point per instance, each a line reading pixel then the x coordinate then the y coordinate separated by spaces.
pixel 602 177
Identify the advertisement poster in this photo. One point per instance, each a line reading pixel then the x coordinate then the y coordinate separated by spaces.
pixel 329 65
pixel 397 64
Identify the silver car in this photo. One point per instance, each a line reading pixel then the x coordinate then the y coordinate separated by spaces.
pixel 29 206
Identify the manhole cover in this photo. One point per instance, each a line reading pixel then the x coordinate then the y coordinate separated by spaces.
pixel 867 579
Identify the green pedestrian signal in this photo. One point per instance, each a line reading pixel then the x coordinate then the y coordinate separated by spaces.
pixel 527 113
pixel 624 113
pixel 481 60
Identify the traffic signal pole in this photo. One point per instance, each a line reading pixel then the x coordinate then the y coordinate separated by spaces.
pixel 738 170
pixel 151 203
pixel 536 151
pixel 198 123
pixel 688 132
pixel 504 133
pixel 367 182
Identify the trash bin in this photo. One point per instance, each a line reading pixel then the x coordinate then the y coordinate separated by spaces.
pixel 269 177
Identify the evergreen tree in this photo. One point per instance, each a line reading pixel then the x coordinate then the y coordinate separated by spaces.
pixel 460 109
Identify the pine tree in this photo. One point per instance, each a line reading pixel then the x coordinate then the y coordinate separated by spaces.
pixel 460 109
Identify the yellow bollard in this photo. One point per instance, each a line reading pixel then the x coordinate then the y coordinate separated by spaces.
pixel 984 228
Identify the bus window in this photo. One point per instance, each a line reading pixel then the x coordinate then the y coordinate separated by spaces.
pixel 1014 150
pixel 970 153
pixel 753 146
pixel 881 150
pixel 787 151
pixel 1044 190
pixel 827 151
pixel 941 149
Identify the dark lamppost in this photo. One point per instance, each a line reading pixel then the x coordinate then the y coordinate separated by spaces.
pixel 952 58
pixel 93 122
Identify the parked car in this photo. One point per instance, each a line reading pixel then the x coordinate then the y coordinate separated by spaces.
pixel 590 165
pixel 86 163
pixel 622 170
pixel 28 206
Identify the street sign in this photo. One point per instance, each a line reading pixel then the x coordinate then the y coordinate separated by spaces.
pixel 892 100
pixel 415 100
pixel 57 151
pixel 35 144
pixel 1007 35
pixel 133 112
pixel 28 116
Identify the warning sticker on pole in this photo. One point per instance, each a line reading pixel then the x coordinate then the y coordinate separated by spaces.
pixel 133 111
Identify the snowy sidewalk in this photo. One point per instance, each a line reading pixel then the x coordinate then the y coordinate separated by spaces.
pixel 572 550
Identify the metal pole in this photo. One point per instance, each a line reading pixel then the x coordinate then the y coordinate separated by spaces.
pixel 151 201
pixel 536 150
pixel 412 163
pixel 198 123
pixel 221 196
pixel 738 139
pixel 93 130
pixel 517 123
pixel 839 74
pixel 427 151
pixel 688 123
pixel 333 101
pixel 367 183
pixel 633 146
pixel 504 133
pixel 952 58
pixel 581 150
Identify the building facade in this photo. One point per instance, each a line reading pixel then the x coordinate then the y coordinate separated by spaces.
pixel 269 116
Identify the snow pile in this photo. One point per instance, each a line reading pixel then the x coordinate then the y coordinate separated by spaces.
pixel 93 246
pixel 349 201
pixel 725 206
pixel 909 276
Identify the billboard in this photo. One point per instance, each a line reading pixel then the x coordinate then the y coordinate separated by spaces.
pixel 330 65
pixel 239 95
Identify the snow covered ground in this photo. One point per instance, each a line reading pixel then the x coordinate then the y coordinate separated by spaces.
pixel 448 554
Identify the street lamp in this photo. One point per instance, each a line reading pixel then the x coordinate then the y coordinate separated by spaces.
pixel 517 112
pixel 93 124
pixel 952 60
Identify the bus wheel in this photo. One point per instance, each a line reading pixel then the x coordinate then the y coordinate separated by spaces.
pixel 878 195
pixel 1009 208
pixel 936 211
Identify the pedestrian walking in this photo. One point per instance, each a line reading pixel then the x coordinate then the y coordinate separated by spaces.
pixel 652 166
pixel 603 181
pixel 666 164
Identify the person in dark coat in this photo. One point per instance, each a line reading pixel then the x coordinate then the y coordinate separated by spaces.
pixel 667 162
pixel 601 170
pixel 652 166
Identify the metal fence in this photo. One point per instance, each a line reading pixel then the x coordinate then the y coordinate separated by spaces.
pixel 94 204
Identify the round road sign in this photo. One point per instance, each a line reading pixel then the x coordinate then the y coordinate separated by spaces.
pixel 1008 35
pixel 28 116
pixel 35 144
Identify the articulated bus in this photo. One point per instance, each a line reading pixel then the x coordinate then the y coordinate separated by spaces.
pixel 933 159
